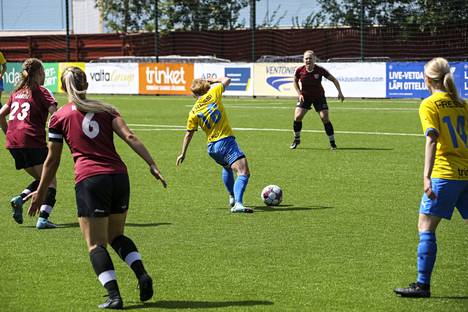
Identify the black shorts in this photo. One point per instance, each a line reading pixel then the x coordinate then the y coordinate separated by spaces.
pixel 28 157
pixel 102 195
pixel 319 103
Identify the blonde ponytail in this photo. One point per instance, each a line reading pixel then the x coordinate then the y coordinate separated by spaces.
pixel 75 85
pixel 438 69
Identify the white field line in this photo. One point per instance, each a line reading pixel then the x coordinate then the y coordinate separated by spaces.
pixel 145 127
pixel 332 108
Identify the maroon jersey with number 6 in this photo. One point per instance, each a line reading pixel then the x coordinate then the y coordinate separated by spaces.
pixel 28 117
pixel 90 138
pixel 311 82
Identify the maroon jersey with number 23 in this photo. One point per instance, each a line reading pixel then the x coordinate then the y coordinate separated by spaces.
pixel 28 117
pixel 91 140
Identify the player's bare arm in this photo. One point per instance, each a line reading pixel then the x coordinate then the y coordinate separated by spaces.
pixel 337 86
pixel 49 170
pixel 298 89
pixel 223 80
pixel 122 130
pixel 185 144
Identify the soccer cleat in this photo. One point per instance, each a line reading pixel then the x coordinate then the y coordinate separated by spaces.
pixel 239 208
pixel 145 283
pixel 17 208
pixel 231 201
pixel 295 143
pixel 415 290
pixel 43 223
pixel 333 146
pixel 112 303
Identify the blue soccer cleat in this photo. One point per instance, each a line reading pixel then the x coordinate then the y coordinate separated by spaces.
pixel 17 209
pixel 43 223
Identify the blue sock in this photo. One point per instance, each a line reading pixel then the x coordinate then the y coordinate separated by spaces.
pixel 228 179
pixel 239 187
pixel 427 250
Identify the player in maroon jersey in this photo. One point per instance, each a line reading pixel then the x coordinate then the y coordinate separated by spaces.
pixel 311 93
pixel 102 183
pixel 28 108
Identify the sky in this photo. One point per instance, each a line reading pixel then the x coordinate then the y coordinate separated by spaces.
pixel 48 14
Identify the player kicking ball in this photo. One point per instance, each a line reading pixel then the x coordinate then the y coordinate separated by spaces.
pixel 311 92
pixel 208 113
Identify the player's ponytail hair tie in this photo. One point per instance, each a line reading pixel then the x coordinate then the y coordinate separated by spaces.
pixel 25 73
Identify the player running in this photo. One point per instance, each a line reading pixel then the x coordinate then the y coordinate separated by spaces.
pixel 28 108
pixel 102 184
pixel 311 92
pixel 208 113
pixel 444 119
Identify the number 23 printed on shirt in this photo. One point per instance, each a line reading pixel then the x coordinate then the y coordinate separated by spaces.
pixel 22 114
pixel 213 114
pixel 460 130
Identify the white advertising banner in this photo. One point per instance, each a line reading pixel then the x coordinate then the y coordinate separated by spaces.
pixel 356 79
pixel 112 78
pixel 240 74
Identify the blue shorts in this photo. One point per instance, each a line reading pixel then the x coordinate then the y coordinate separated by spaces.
pixel 449 194
pixel 225 151
pixel 1 85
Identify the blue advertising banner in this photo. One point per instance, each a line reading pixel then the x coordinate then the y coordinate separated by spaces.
pixel 461 78
pixel 406 80
pixel 240 77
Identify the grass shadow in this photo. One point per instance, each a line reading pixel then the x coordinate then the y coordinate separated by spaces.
pixel 146 224
pixel 450 297
pixel 287 208
pixel 346 149
pixel 185 304
pixel 76 224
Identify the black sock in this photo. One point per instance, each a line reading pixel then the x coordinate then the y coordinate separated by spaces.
pixel 30 188
pixel 49 201
pixel 104 269
pixel 297 126
pixel 128 252
pixel 329 128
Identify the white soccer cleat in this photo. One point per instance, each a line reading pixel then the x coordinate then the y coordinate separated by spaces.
pixel 231 201
pixel 239 208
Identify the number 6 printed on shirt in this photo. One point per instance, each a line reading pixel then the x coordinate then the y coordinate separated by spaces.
pixel 90 127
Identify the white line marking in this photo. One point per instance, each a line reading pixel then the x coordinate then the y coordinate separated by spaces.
pixel 182 128
pixel 409 109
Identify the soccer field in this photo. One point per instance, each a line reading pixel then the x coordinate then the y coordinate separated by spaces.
pixel 344 236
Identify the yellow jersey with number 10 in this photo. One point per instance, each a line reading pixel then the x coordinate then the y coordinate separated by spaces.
pixel 208 113
pixel 449 119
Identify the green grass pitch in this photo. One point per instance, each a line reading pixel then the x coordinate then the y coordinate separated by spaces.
pixel 343 238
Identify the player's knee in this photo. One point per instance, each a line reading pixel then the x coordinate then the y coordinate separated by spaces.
pixel 93 246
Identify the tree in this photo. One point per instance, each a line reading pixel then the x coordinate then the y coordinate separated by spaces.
pixel 137 15
pixel 406 14
pixel 274 19
pixel 125 15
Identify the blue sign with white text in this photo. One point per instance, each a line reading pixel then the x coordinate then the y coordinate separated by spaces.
pixel 406 80
pixel 240 77
pixel 461 78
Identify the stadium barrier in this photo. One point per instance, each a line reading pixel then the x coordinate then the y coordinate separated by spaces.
pixel 357 80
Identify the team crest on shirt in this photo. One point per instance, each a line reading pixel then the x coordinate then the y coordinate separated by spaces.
pixel 316 76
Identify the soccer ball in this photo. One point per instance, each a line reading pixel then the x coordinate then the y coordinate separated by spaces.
pixel 272 195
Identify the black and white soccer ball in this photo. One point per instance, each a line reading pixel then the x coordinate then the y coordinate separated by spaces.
pixel 272 195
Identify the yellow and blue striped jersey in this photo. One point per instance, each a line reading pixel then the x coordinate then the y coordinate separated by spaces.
pixel 449 119
pixel 208 113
